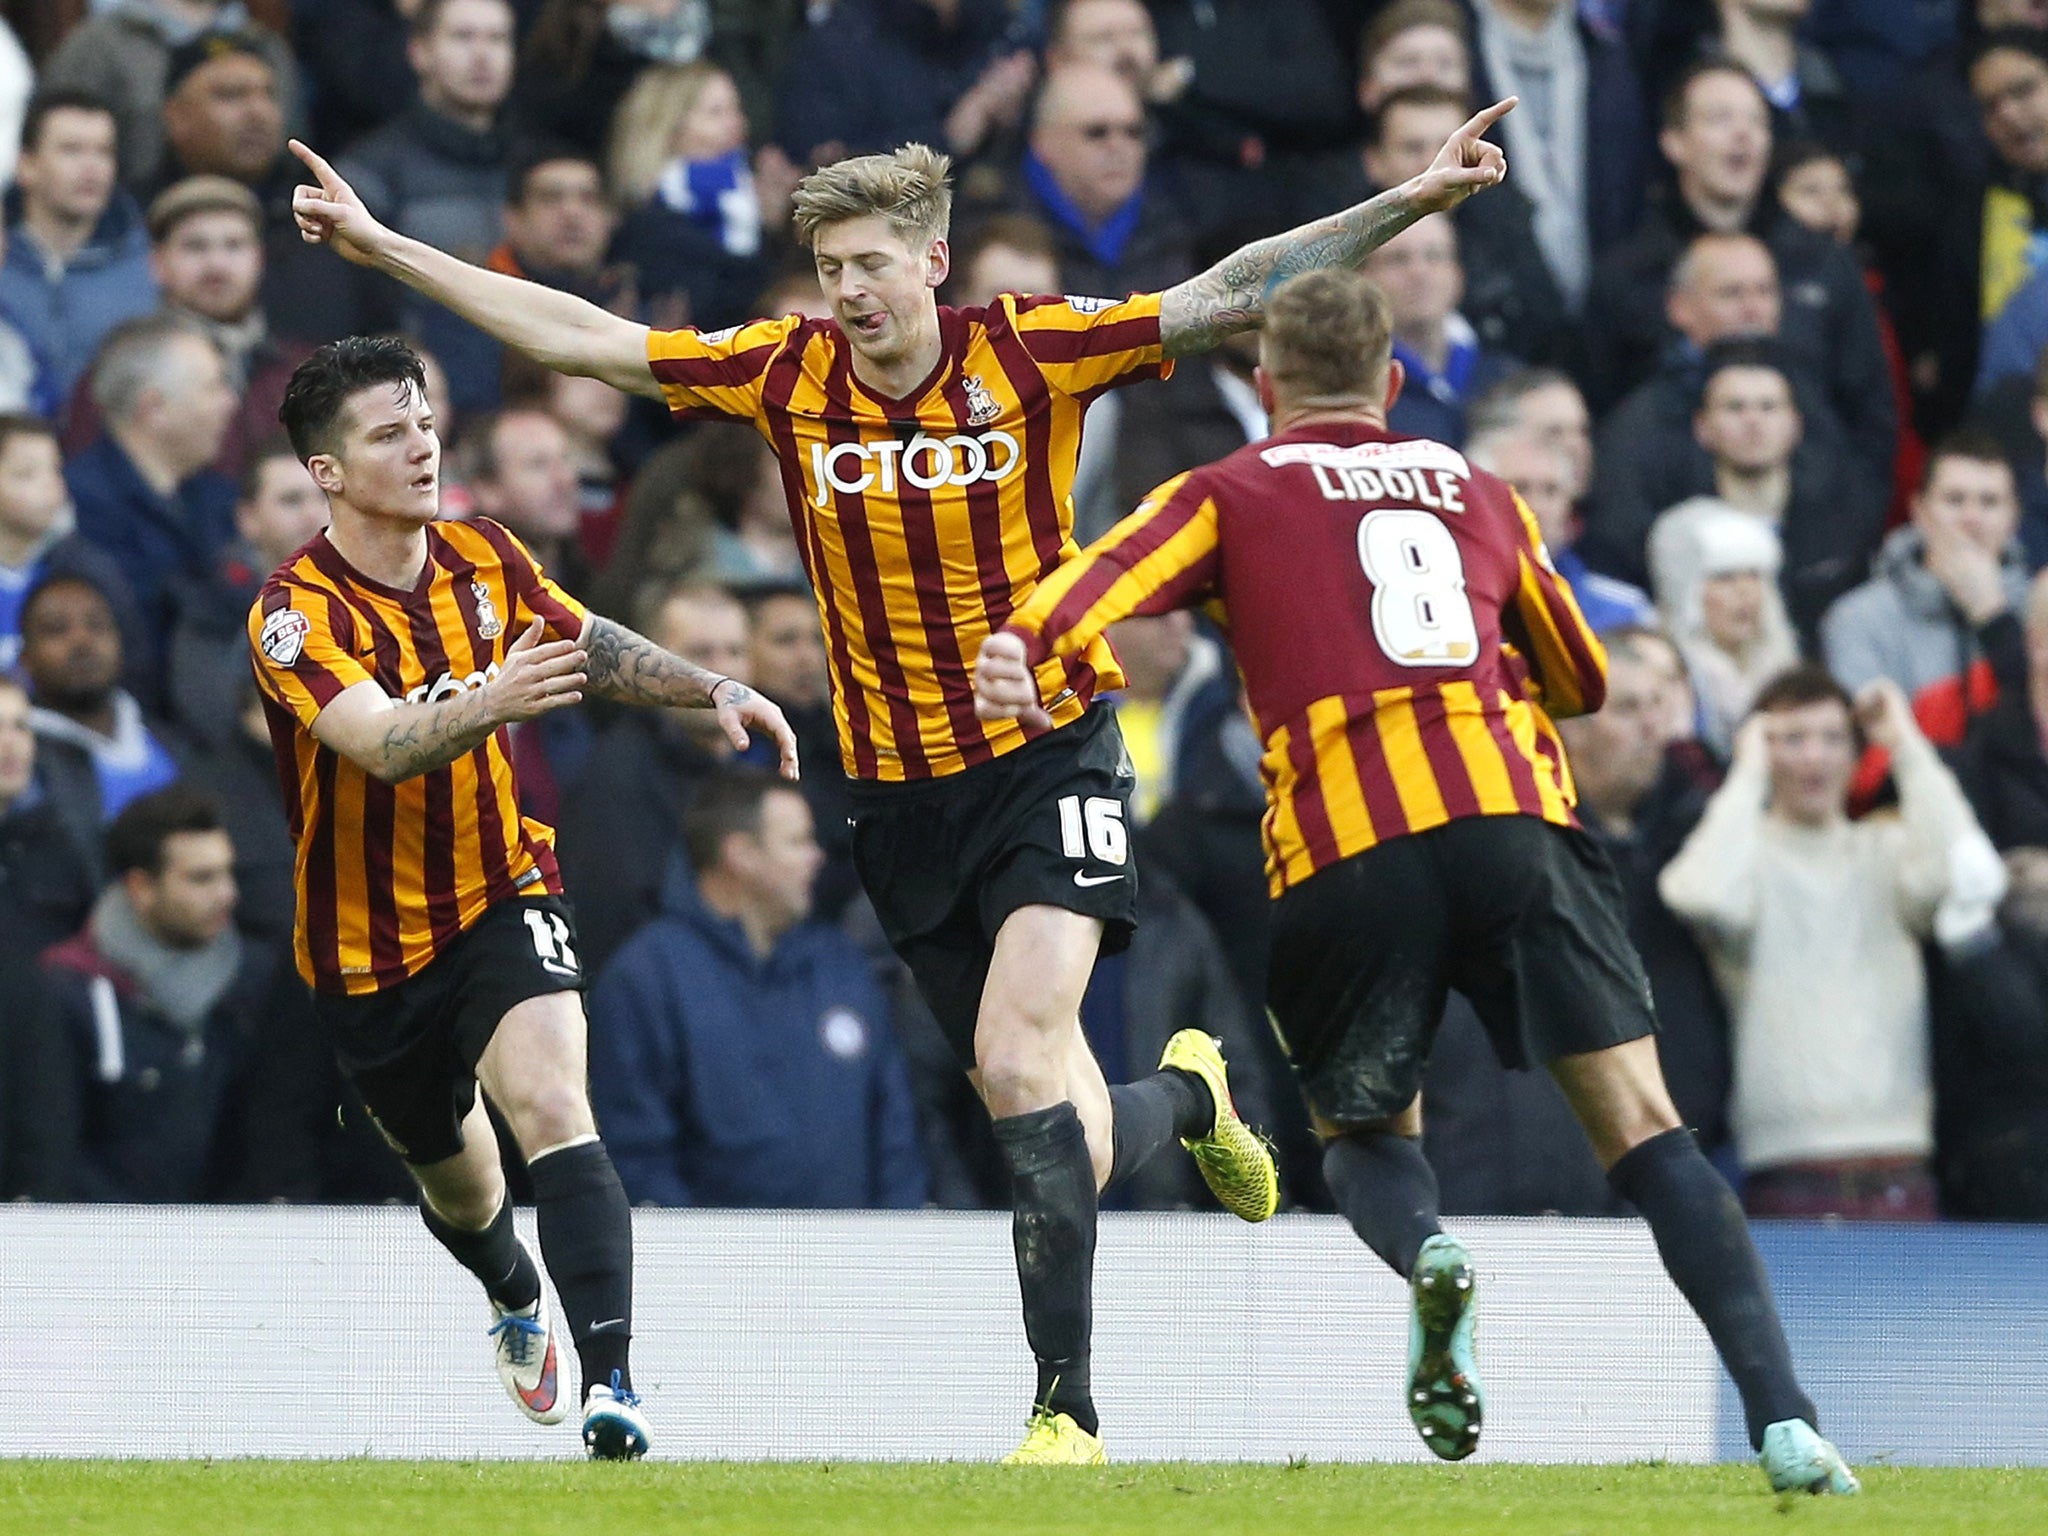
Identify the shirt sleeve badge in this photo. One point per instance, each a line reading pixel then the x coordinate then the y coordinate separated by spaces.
pixel 284 636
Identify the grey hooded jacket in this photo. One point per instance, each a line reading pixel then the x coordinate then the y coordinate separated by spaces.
pixel 1901 624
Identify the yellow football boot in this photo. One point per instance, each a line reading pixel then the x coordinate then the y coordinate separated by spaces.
pixel 1055 1440
pixel 1236 1161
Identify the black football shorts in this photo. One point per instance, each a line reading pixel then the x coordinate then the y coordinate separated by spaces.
pixel 946 861
pixel 1524 918
pixel 411 1050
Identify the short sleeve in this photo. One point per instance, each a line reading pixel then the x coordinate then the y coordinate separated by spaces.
pixel 1083 346
pixel 299 641
pixel 711 375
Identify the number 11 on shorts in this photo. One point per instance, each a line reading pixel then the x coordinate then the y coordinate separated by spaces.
pixel 1094 828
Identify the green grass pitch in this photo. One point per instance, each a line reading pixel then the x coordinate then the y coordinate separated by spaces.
pixel 370 1498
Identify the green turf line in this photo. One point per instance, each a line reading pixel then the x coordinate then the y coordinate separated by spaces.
pixel 370 1498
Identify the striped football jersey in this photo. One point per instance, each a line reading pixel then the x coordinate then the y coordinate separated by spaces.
pixel 923 521
pixel 388 874
pixel 1404 641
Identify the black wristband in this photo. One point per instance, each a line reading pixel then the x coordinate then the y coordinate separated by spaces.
pixel 711 693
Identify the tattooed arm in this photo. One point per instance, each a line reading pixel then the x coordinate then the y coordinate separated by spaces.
pixel 631 669
pixel 1231 296
pixel 395 741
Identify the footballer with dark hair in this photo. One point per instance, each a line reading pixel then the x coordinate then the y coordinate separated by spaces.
pixel 392 651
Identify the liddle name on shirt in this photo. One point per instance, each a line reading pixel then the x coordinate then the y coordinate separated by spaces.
pixel 1417 474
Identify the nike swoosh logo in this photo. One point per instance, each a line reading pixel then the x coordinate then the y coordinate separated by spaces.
pixel 541 1397
pixel 1084 880
pixel 610 1322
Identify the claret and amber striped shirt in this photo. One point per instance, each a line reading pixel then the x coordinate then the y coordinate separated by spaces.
pixel 924 520
pixel 388 874
pixel 1404 640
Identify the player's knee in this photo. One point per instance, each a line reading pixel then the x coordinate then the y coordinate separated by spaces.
pixel 549 1114
pixel 1627 1121
pixel 1020 1073
pixel 1645 1118
pixel 470 1206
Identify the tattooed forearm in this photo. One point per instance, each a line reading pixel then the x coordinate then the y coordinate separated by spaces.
pixel 423 737
pixel 631 669
pixel 1231 296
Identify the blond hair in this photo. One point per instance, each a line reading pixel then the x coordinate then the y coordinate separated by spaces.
pixel 910 188
pixel 1328 336
pixel 645 127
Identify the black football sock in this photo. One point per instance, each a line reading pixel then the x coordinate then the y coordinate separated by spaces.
pixel 1170 1104
pixel 1705 1244
pixel 1387 1191
pixel 495 1256
pixel 586 1237
pixel 1053 1198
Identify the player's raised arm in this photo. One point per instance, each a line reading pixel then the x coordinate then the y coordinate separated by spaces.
pixel 1231 296
pixel 394 741
pixel 559 330
pixel 628 668
pixel 1161 557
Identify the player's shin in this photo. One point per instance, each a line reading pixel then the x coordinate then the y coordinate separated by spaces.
pixel 1705 1244
pixel 586 1239
pixel 1053 1183
pixel 494 1255
pixel 1150 1114
pixel 1387 1191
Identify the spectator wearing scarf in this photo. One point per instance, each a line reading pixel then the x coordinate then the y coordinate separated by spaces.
pixel 697 225
pixel 1086 174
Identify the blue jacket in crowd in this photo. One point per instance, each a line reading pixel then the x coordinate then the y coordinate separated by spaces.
pixel 722 1079
pixel 64 312
pixel 1608 604
pixel 159 542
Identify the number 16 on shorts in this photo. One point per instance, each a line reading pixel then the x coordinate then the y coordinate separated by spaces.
pixel 1094 829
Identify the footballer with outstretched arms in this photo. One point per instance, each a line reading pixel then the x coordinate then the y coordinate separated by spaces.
pixel 927 456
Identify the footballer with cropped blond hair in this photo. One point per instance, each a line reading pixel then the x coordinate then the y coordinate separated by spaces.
pixel 928 458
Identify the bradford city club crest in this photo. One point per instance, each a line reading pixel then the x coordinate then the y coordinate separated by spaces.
pixel 488 625
pixel 982 407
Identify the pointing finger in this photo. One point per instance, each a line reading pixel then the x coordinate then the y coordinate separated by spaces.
pixel 1486 117
pixel 329 181
pixel 531 638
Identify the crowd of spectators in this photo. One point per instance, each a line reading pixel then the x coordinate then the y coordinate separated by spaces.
pixel 1758 327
